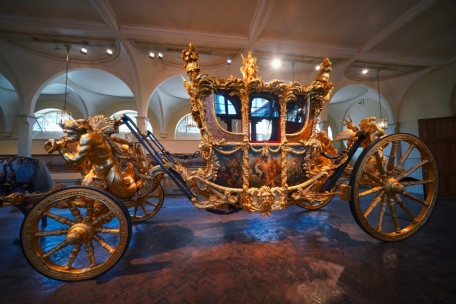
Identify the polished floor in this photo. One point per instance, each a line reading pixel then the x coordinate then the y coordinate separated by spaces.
pixel 185 255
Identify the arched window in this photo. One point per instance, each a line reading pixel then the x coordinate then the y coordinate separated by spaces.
pixel 227 111
pixel 330 133
pixel 132 114
pixel 47 120
pixel 186 129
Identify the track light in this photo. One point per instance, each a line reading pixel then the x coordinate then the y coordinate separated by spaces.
pixel 276 63
pixel 365 71
pixel 151 55
pixel 160 56
pixel 228 61
pixel 84 51
pixel 317 68
pixel 109 52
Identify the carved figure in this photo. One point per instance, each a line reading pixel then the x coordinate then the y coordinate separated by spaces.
pixel 94 147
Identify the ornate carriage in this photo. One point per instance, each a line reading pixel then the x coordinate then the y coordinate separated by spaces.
pixel 262 152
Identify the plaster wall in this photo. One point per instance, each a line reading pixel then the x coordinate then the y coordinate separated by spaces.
pixel 429 97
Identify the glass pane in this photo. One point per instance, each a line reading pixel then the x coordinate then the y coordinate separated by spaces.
pixel 295 117
pixel 220 104
pixel 260 108
pixel 231 108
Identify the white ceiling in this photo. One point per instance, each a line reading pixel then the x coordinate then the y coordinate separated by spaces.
pixel 398 37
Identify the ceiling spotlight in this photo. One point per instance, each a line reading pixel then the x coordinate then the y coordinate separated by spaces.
pixel 276 63
pixel 365 71
pixel 84 51
pixel 109 52
pixel 228 61
pixel 317 68
pixel 151 55
pixel 160 56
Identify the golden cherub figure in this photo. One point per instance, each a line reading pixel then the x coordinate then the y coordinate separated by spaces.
pixel 249 70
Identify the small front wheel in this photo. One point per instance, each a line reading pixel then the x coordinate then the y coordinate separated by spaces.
pixel 144 210
pixel 387 201
pixel 87 233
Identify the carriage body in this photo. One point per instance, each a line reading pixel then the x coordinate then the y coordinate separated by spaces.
pixel 260 141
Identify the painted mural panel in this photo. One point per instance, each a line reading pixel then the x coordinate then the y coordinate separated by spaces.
pixel 230 172
pixel 295 173
pixel 264 170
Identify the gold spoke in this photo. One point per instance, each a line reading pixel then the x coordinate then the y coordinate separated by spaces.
pixel 89 211
pixel 401 203
pixel 152 204
pixel 61 219
pixel 60 246
pixel 108 230
pixel 404 157
pixel 136 210
pixel 412 197
pixel 381 215
pixel 374 203
pixel 412 169
pixel 73 255
pixel 104 217
pixel 143 209
pixel 392 209
pixel 392 157
pixel 379 161
pixel 373 177
pixel 51 232
pixel 418 182
pixel 100 241
pixel 74 211
pixel 370 191
pixel 90 254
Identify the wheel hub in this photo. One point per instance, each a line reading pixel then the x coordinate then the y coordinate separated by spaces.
pixel 393 186
pixel 80 233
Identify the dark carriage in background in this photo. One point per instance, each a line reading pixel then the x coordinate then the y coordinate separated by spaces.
pixel 262 152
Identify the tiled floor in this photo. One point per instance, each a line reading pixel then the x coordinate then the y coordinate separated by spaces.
pixel 185 255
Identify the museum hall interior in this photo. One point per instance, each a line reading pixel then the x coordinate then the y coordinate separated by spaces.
pixel 260 151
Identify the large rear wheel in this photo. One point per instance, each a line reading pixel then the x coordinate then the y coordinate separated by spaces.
pixel 392 199
pixel 88 231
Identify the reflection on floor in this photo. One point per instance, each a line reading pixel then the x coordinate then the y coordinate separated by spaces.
pixel 185 255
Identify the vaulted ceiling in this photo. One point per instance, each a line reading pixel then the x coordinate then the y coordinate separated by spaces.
pixel 398 37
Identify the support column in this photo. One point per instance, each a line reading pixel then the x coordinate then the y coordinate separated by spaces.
pixel 141 121
pixel 25 132
pixel 397 129
pixel 324 125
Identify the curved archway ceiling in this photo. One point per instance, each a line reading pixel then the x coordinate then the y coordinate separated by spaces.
pixel 99 82
pixel 173 87
pixel 5 84
pixel 349 93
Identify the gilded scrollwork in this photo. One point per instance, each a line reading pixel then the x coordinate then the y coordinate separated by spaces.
pixel 267 197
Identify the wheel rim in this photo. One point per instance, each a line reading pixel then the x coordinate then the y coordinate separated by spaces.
pixel 87 233
pixel 146 209
pixel 384 202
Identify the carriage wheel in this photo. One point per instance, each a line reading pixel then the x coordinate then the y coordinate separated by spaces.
pixel 142 211
pixel 88 231
pixel 319 202
pixel 386 201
